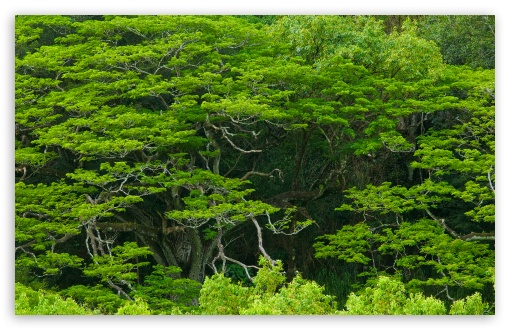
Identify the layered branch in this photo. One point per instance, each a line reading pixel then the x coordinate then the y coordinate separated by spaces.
pixel 469 237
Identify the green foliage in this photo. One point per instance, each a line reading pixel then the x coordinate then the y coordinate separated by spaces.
pixel 31 302
pixel 237 274
pixel 163 291
pixel 463 39
pixel 422 244
pixel 362 39
pixel 299 297
pixel 389 297
pixel 458 159
pixel 119 266
pixel 338 281
pixel 471 305
pixel 349 244
pixel 219 296
pixel 160 136
pixel 214 197
pixel 137 307
pixel 97 297
pixel 269 295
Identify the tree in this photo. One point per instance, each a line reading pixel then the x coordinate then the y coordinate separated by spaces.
pixel 463 39
pixel 389 297
pixel 269 295
pixel 164 293
pixel 416 225
pixel 123 125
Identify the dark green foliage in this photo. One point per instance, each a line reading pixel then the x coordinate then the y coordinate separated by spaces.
pixel 163 291
pixel 97 297
pixel 237 274
pixel 338 279
pixel 463 39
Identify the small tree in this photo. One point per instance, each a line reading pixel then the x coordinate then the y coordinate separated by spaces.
pixel 269 295
pixel 389 297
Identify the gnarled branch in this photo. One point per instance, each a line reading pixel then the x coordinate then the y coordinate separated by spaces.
pixel 270 174
pixel 261 246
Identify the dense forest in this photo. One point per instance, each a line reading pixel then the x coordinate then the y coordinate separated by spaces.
pixel 254 164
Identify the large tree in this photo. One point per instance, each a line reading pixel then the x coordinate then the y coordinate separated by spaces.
pixel 439 231
pixel 131 129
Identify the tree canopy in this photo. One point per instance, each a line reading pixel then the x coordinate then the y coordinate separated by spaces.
pixel 254 164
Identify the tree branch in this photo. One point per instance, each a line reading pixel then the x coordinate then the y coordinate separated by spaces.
pixel 131 226
pixel 259 236
pixel 442 223
pixel 225 135
pixel 221 255
pixel 468 237
pixel 281 200
pixel 490 180
pixel 120 291
pixel 479 237
pixel 270 174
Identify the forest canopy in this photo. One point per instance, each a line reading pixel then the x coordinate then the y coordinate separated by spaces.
pixel 254 164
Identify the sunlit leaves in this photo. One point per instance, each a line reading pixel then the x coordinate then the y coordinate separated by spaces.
pixel 140 125
pixel 47 209
pixel 269 295
pixel 213 197
pixel 31 302
pixel 472 305
pixel 121 265
pixel 421 244
pixel 32 157
pixel 389 297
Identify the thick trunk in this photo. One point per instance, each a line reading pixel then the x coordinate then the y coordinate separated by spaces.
pixel 200 255
pixel 197 268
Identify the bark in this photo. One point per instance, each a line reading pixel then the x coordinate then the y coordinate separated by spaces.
pixel 200 255
pixel 479 237
pixel 284 198
pixel 261 246
pixel 119 290
pixel 298 158
pixel 210 136
pixel 468 237
pixel 129 226
pixel 296 195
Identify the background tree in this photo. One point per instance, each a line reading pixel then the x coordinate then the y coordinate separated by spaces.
pixel 421 226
